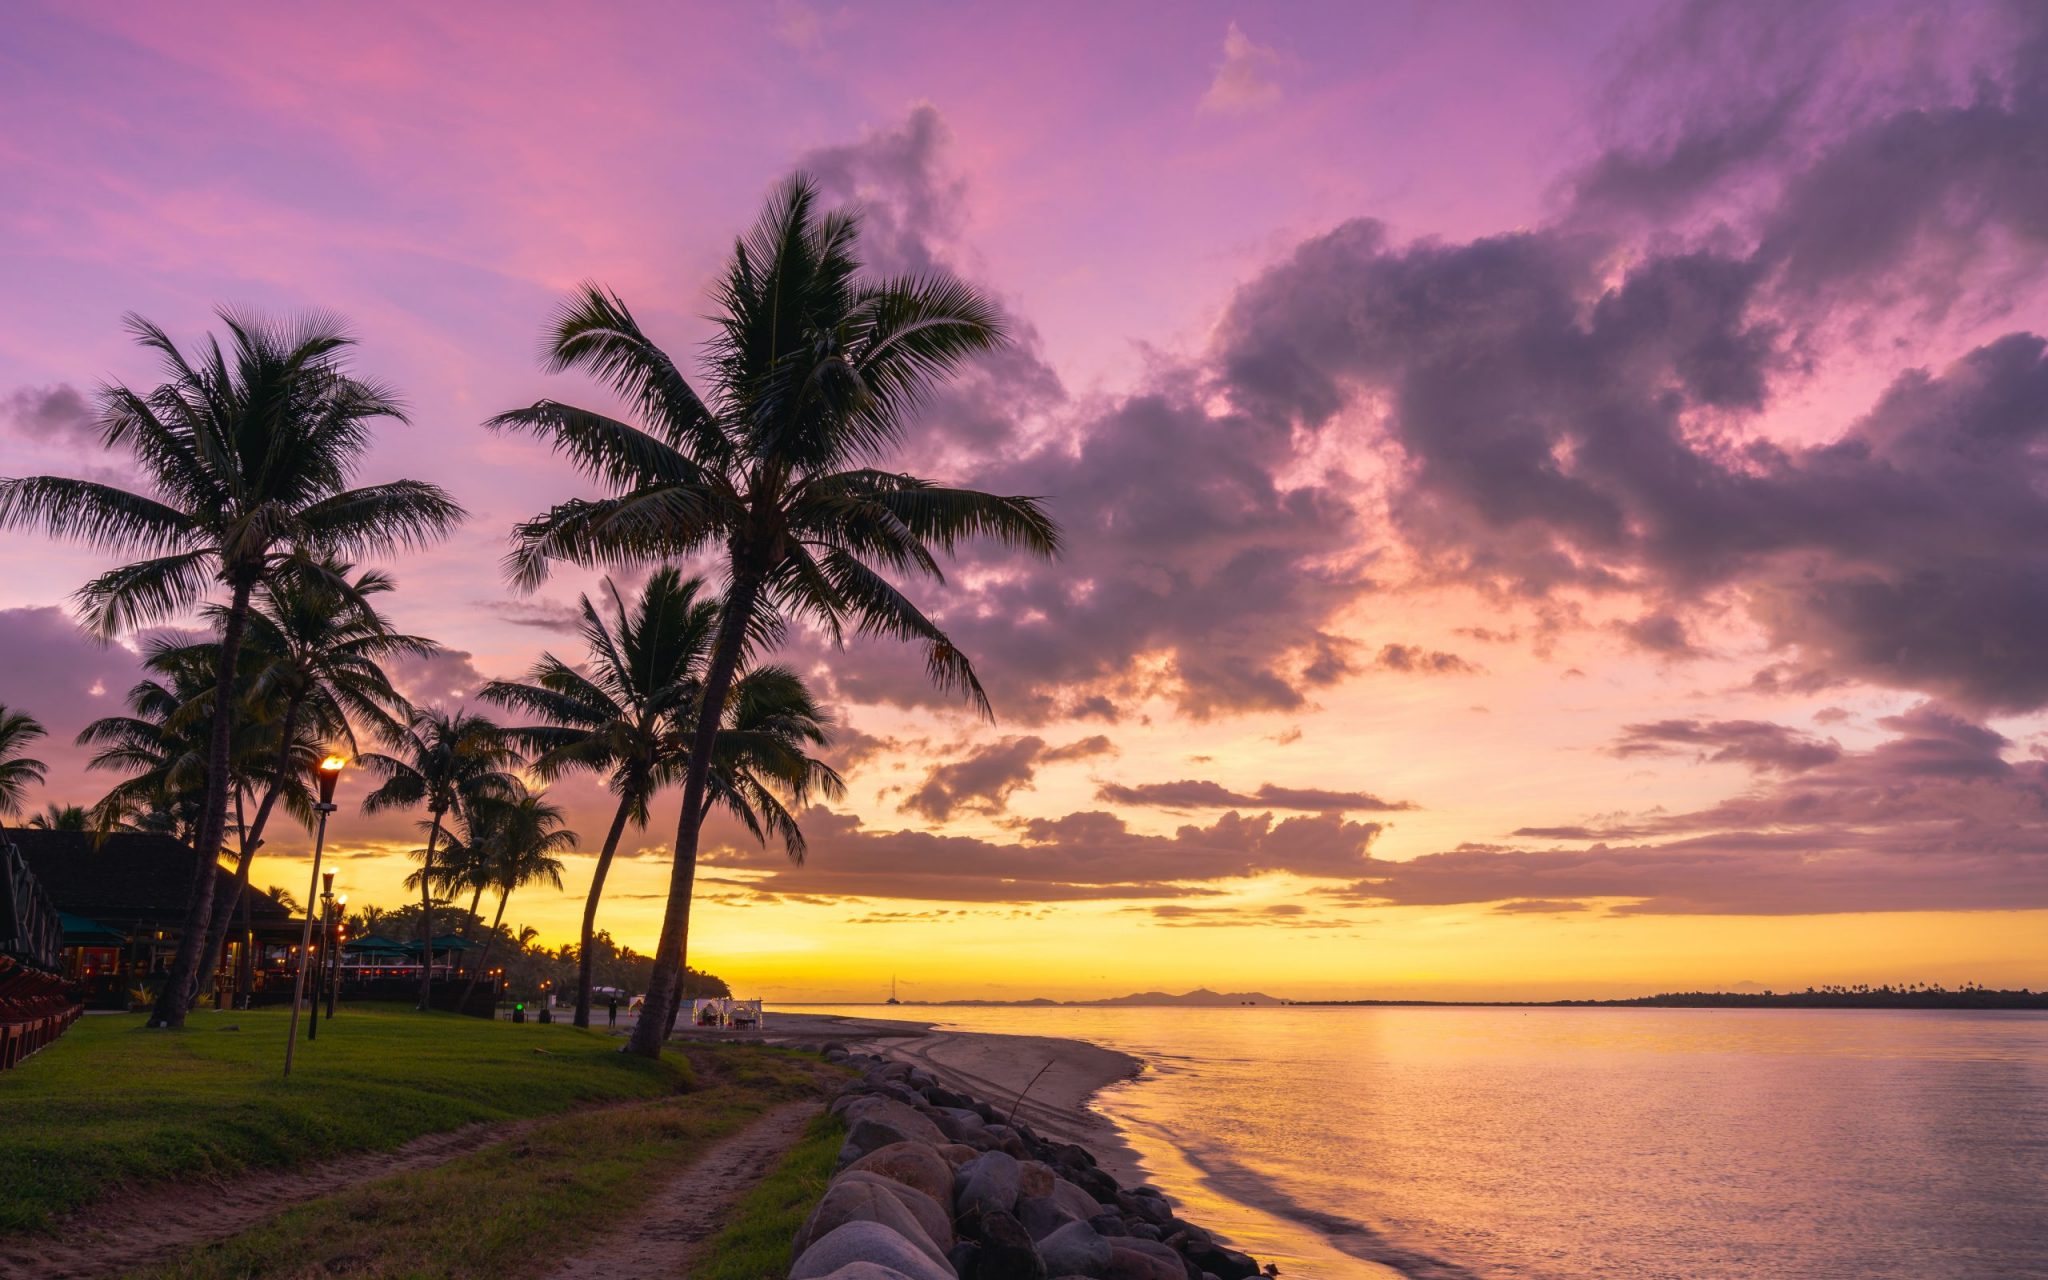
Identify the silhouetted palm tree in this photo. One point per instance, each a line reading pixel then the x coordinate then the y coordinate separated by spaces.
pixel 631 714
pixel 446 761
pixel 248 453
pixel 520 838
pixel 314 669
pixel 813 374
pixel 62 817
pixel 18 772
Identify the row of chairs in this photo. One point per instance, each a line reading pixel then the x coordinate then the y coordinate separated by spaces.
pixel 35 1008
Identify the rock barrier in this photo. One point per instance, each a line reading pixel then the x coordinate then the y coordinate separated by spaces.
pixel 935 1185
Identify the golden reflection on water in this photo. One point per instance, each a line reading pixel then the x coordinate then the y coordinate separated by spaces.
pixel 1589 1142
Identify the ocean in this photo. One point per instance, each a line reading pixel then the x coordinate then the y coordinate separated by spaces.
pixel 1551 1144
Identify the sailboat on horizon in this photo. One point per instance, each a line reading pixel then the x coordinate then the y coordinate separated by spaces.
pixel 892 991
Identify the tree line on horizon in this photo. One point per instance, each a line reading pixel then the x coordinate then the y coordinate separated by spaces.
pixel 770 472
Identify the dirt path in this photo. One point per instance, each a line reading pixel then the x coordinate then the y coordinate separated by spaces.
pixel 663 1238
pixel 136 1228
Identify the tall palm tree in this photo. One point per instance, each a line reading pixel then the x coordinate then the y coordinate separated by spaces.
pixel 316 649
pixel 813 374
pixel 18 772
pixel 62 817
pixel 248 452
pixel 628 712
pixel 521 837
pixel 446 760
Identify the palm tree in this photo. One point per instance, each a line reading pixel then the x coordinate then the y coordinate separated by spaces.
pixel 317 652
pixel 248 453
pixel 446 760
pixel 62 817
pixel 629 717
pixel 813 375
pixel 522 837
pixel 18 772
pixel 284 898
pixel 162 746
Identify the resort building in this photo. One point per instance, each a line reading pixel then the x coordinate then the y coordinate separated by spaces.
pixel 121 900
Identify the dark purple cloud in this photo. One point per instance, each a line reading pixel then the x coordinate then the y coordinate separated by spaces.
pixel 1193 793
pixel 984 779
pixel 1077 857
pixel 59 415
pixel 1759 745
pixel 1414 659
pixel 1933 818
pixel 63 678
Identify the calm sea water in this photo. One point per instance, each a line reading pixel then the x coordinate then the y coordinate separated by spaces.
pixel 1558 1143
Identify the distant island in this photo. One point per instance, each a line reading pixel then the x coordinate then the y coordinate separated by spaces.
pixel 1913 997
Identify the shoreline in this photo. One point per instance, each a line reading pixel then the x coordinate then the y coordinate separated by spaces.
pixel 1049 1081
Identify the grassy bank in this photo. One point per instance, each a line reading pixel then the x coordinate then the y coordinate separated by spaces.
pixel 514 1209
pixel 113 1104
pixel 756 1245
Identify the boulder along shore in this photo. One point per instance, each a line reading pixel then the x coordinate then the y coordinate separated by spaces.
pixel 934 1183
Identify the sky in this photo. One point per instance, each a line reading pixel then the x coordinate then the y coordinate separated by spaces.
pixel 1554 495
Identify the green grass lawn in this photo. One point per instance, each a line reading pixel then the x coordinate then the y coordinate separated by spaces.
pixel 517 1209
pixel 114 1104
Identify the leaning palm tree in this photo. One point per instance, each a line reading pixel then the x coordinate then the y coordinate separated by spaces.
pixel 618 715
pixel 248 452
pixel 317 646
pixel 18 772
pixel 627 714
pixel 522 837
pixel 446 760
pixel 813 374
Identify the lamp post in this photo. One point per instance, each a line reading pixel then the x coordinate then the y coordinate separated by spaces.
pixel 326 879
pixel 340 927
pixel 328 773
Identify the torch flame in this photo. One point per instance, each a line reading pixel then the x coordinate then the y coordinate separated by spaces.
pixel 332 764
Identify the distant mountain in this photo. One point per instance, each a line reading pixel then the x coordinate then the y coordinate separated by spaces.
pixel 1199 998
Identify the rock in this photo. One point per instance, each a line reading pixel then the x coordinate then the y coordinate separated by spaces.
pixel 966 1259
pixel 867 1242
pixel 1096 1183
pixel 914 1165
pixel 1035 1178
pixel 1127 1263
pixel 882 1122
pixel 1225 1264
pixel 1142 1230
pixel 835 1046
pixel 1070 1197
pixel 1042 1215
pixel 866 1271
pixel 935 1218
pixel 957 1153
pixel 1150 1208
pixel 867 1199
pixel 985 1184
pixel 1007 1250
pixel 1108 1224
pixel 1075 1249
pixel 958 1122
pixel 1073 1156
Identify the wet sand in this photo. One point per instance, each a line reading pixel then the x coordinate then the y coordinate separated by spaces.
pixel 1047 1080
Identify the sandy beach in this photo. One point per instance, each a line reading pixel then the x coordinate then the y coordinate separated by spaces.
pixel 1047 1079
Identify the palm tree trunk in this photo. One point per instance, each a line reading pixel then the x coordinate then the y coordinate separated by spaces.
pixel 604 864
pixel 675 1008
pixel 673 952
pixel 427 914
pixel 485 958
pixel 183 980
pixel 252 837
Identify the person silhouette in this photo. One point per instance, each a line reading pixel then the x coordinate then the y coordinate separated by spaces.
pixel 612 1010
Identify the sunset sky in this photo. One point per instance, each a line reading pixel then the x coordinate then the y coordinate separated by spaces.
pixel 1557 496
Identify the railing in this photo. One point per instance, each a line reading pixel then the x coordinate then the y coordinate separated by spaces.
pixel 36 1003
